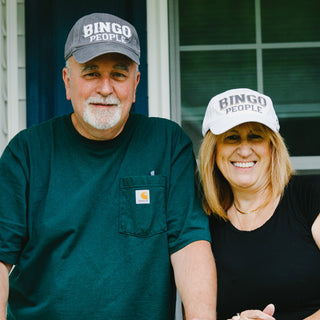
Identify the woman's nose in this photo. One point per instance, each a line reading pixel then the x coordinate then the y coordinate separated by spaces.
pixel 244 149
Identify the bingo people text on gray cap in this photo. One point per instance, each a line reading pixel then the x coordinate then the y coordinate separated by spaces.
pixel 99 33
pixel 237 106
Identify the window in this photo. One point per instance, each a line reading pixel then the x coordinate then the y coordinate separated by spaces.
pixel 269 46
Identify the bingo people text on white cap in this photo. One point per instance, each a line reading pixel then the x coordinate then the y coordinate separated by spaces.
pixel 237 106
pixel 99 33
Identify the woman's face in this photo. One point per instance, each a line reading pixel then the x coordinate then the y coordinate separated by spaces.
pixel 244 157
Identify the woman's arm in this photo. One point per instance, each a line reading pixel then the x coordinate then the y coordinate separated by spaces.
pixel 4 288
pixel 314 316
pixel 316 236
pixel 315 229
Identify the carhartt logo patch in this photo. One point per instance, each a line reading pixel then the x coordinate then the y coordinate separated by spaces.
pixel 142 196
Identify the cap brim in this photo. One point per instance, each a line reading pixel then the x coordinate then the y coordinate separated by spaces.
pixel 87 53
pixel 218 127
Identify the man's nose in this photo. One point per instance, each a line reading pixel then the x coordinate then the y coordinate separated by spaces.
pixel 105 87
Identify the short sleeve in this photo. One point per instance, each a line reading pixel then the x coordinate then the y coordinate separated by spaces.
pixel 13 194
pixel 187 221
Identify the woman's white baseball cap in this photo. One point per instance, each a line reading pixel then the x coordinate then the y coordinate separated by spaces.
pixel 237 106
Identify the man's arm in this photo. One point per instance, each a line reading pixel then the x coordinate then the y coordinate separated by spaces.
pixel 196 280
pixel 4 288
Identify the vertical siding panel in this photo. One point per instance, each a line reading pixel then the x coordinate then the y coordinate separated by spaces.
pixel 12 70
pixel 22 104
pixel 3 77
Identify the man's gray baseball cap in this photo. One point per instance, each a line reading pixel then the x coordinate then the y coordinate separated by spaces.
pixel 99 33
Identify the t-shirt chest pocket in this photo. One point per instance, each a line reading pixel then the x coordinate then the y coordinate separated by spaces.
pixel 142 205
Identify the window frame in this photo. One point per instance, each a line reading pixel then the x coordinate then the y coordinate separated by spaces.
pixel 303 164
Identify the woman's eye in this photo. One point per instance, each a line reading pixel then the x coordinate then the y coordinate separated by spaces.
pixel 255 137
pixel 232 138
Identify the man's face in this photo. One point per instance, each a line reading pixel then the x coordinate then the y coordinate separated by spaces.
pixel 102 92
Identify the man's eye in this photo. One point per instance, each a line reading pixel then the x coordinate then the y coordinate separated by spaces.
pixel 119 75
pixel 91 75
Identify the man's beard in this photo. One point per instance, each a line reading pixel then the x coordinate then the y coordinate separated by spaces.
pixel 102 118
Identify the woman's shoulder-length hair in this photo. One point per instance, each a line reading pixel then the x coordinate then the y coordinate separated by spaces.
pixel 217 193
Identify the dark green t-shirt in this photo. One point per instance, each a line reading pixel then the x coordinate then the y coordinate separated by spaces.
pixel 90 225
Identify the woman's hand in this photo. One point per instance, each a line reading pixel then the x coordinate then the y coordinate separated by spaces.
pixel 266 314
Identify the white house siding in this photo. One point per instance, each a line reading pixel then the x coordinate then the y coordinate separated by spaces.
pixel 3 128
pixel 12 70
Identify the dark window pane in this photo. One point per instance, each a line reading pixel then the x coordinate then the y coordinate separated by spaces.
pixel 292 75
pixel 216 22
pixel 290 21
pixel 292 79
pixel 205 74
pixel 301 135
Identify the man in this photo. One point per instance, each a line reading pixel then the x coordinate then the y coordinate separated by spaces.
pixel 97 209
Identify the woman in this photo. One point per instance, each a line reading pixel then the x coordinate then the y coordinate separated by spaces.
pixel 265 221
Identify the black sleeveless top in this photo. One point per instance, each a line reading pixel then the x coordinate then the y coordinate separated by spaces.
pixel 277 263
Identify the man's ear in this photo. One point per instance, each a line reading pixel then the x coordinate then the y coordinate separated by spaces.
pixel 66 80
pixel 136 86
